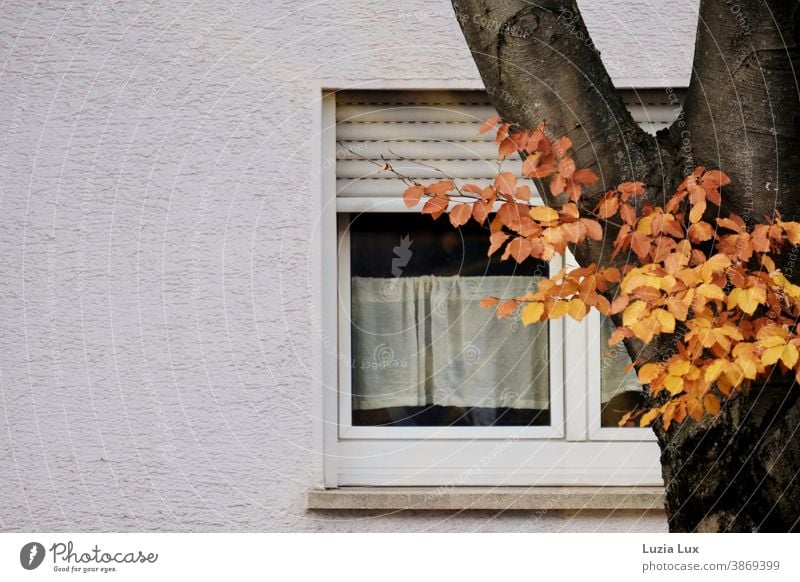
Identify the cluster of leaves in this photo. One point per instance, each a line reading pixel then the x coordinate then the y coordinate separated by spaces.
pixel 713 286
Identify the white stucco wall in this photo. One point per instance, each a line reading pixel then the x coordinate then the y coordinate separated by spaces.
pixel 158 345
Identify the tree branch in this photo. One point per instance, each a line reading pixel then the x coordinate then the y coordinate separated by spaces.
pixel 741 110
pixel 538 63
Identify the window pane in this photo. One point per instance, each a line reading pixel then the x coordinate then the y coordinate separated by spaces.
pixel 620 388
pixel 423 352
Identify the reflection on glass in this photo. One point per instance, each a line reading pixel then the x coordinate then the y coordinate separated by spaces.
pixel 423 352
pixel 621 391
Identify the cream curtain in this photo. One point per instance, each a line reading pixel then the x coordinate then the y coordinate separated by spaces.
pixel 424 340
pixel 420 341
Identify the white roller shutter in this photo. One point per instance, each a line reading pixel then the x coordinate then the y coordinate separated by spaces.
pixel 413 130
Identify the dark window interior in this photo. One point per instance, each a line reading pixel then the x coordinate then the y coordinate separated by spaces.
pixel 434 248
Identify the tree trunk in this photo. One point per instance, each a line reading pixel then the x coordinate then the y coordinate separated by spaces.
pixel 739 471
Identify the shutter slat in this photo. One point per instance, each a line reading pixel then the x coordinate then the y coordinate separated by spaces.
pixel 371 97
pixel 410 132
pixel 460 170
pixel 382 187
pixel 414 113
pixel 456 150
pixel 440 128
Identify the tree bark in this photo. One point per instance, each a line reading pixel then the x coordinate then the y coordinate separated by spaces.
pixel 741 110
pixel 538 63
pixel 739 471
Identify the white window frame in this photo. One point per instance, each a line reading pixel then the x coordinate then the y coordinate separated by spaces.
pixel 574 450
pixel 346 428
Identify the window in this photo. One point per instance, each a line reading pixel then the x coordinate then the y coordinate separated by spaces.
pixel 424 387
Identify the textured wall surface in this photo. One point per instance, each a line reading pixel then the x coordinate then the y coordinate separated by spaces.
pixel 157 345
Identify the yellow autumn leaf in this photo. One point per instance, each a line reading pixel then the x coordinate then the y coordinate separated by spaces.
pixel 667 282
pixel 543 214
pixel 644 329
pixel 649 417
pixel 715 264
pixel 696 213
pixel 790 355
pixel 644 226
pixel 674 384
pixel 679 367
pixel 559 309
pixel 577 309
pixel 730 330
pixel 694 373
pixel 711 403
pixel 792 291
pixel 689 276
pixel 532 312
pixel 666 319
pixel 733 298
pixel 694 407
pixel 792 231
pixel 772 355
pixel 632 282
pixel 733 374
pixel 749 367
pixel 649 372
pixel 711 291
pixel 724 386
pixel 633 313
pixel 714 370
pixel 748 300
pixel 636 279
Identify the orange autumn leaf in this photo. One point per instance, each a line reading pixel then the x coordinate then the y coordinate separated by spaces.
pixel 488 302
pixel 460 214
pixel 507 147
pixel 700 232
pixel 413 195
pixel 480 211
pixel 561 146
pixel 506 308
pixel 497 239
pixel 628 189
pixel 608 206
pixel 557 185
pixel 489 124
pixel 640 243
pixel 538 171
pixel 524 193
pixel 593 229
pixel 544 214
pixel 585 176
pixel 627 213
pixel 519 249
pixel 566 167
pixel 506 183
pixel 440 188
pixel 435 206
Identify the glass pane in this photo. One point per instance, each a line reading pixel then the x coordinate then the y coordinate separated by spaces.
pixel 620 388
pixel 424 353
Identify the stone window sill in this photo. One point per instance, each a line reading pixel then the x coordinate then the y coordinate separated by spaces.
pixel 491 498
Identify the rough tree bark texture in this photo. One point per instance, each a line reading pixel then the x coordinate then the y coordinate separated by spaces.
pixel 741 470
